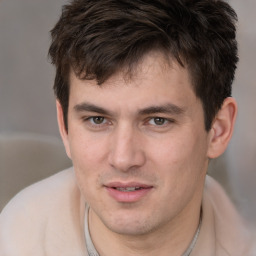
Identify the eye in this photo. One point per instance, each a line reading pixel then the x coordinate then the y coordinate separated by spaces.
pixel 97 120
pixel 158 121
pixel 96 123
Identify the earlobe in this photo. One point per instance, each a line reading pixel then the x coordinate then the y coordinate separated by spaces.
pixel 222 128
pixel 62 128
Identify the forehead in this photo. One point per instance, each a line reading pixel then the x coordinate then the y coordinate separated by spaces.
pixel 154 77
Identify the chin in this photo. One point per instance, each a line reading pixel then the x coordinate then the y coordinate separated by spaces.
pixel 130 227
pixel 136 230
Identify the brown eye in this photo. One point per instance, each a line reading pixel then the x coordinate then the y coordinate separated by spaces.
pixel 158 121
pixel 97 120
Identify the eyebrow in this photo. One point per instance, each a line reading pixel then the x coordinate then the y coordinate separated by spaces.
pixel 167 109
pixel 91 108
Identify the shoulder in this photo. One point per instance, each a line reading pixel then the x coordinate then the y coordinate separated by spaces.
pixel 232 236
pixel 222 207
pixel 48 209
pixel 44 193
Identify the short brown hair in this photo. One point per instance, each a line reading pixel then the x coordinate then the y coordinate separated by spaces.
pixel 99 38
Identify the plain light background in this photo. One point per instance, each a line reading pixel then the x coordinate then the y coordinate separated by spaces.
pixel 27 103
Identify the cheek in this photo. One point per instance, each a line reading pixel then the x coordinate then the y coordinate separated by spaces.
pixel 87 155
pixel 181 159
pixel 171 151
pixel 181 168
pixel 86 149
pixel 87 171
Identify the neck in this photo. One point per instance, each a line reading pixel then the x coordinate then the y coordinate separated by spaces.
pixel 174 236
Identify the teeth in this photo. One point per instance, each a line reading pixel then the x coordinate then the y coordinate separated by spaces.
pixel 129 189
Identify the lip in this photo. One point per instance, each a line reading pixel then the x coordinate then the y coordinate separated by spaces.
pixel 128 196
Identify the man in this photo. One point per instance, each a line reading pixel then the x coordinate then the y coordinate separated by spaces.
pixel 143 102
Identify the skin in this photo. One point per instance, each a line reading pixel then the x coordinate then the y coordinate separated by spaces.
pixel 148 129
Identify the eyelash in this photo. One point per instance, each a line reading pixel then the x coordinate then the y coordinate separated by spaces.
pixel 91 121
pixel 166 121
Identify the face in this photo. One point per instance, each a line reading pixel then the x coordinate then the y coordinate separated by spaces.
pixel 138 146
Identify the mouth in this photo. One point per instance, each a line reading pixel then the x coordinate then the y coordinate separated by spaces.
pixel 128 193
pixel 128 189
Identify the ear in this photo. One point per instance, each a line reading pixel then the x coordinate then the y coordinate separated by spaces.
pixel 222 128
pixel 62 128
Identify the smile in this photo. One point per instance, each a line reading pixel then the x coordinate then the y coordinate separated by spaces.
pixel 128 193
pixel 128 189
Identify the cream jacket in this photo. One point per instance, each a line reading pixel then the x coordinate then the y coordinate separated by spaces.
pixel 47 219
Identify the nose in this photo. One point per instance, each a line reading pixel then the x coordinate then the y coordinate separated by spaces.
pixel 126 149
